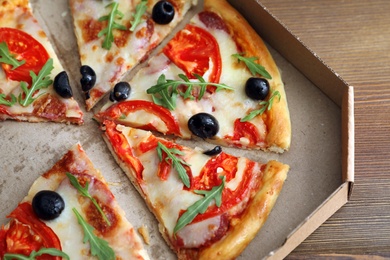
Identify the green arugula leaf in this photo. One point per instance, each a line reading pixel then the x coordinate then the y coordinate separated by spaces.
pixel 140 9
pixel 84 191
pixel 165 92
pixel 8 58
pixel 4 101
pixel 253 67
pixel 40 81
pixel 173 159
pixel 109 39
pixel 265 105
pixel 34 254
pixel 201 205
pixel 99 247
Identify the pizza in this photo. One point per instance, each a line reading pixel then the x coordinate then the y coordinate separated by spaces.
pixel 33 85
pixel 115 36
pixel 209 204
pixel 70 213
pixel 215 80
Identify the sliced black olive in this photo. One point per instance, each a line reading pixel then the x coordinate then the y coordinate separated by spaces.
pixel 163 12
pixel 88 78
pixel 120 92
pixel 61 85
pixel 203 125
pixel 48 204
pixel 216 150
pixel 257 88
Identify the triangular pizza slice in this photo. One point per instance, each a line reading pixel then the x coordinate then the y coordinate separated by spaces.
pixel 70 213
pixel 209 204
pixel 215 80
pixel 33 85
pixel 114 36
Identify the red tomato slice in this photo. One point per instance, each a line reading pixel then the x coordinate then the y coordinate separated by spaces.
pixel 129 106
pixel 24 47
pixel 27 233
pixel 247 130
pixel 193 49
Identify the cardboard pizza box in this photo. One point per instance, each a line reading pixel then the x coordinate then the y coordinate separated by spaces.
pixel 321 156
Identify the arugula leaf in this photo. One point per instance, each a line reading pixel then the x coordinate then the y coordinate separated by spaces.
pixel 99 247
pixel 253 66
pixel 265 105
pixel 4 101
pixel 8 58
pixel 40 81
pixel 140 9
pixel 109 39
pixel 201 205
pixel 165 92
pixel 34 254
pixel 84 191
pixel 176 162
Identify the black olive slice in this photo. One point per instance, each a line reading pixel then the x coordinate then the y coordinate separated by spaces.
pixel 88 78
pixel 163 12
pixel 216 150
pixel 203 125
pixel 257 88
pixel 48 204
pixel 120 92
pixel 61 85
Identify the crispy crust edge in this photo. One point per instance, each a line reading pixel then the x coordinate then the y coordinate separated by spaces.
pixel 279 125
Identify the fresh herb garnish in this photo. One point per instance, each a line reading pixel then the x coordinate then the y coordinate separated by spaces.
pixel 201 205
pixel 99 247
pixel 173 159
pixel 8 58
pixel 140 9
pixel 84 191
pixel 34 254
pixel 4 101
pixel 40 81
pixel 165 92
pixel 109 39
pixel 265 105
pixel 253 67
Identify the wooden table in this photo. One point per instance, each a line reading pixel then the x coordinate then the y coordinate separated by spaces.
pixel 353 38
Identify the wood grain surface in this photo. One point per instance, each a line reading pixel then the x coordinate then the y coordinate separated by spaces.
pixel 353 38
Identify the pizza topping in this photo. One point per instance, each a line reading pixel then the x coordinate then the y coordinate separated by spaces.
pixel 201 205
pixel 88 78
pixel 216 150
pixel 212 20
pixel 163 12
pixel 84 191
pixel 35 254
pixel 61 85
pixel 9 58
pixel 257 88
pixel 253 67
pixel 203 125
pixel 111 25
pixel 165 92
pixel 173 159
pixel 120 92
pixel 265 105
pixel 140 9
pixel 23 46
pixel 99 247
pixel 7 101
pixel 47 204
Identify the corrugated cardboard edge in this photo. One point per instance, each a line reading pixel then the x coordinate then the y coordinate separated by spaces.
pixel 277 35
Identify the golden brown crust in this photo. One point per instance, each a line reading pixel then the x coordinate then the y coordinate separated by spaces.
pixel 278 122
pixel 11 4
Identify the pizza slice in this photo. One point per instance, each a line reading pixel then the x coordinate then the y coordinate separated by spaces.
pixel 209 204
pixel 215 80
pixel 33 85
pixel 70 213
pixel 115 36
